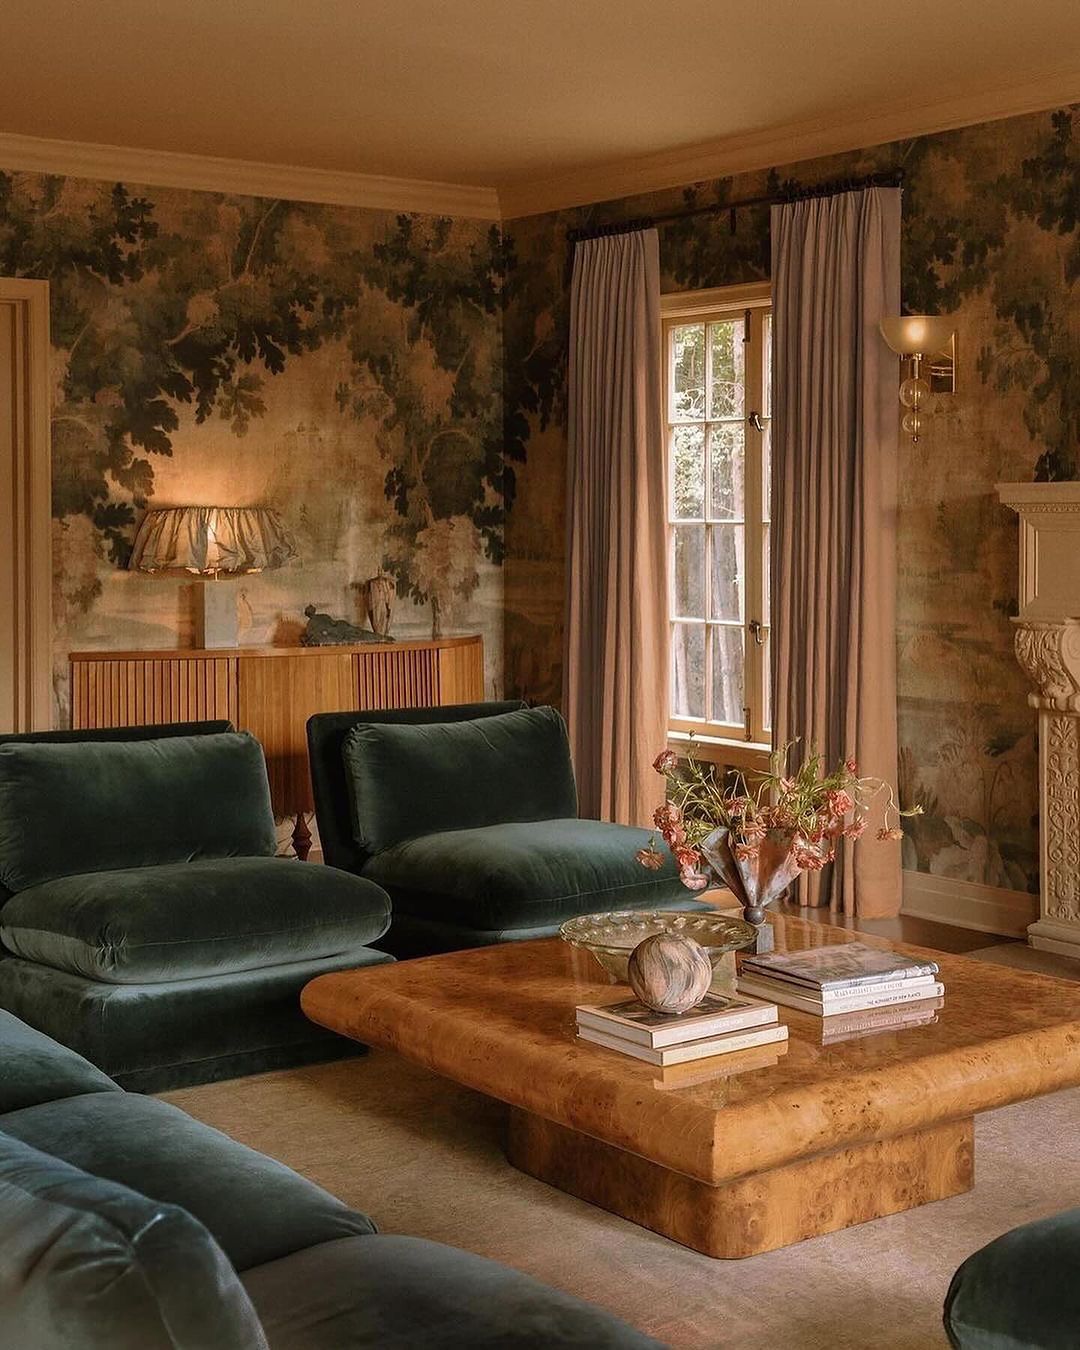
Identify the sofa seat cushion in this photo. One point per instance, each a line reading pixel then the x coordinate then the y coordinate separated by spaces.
pixel 523 875
pixel 34 1068
pixel 397 1293
pixel 186 920
pixel 256 1209
pixel 95 806
pixel 91 1264
pixel 408 781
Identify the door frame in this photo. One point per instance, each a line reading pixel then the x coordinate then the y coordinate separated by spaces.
pixel 26 695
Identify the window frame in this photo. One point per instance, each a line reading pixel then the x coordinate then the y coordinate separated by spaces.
pixel 753 304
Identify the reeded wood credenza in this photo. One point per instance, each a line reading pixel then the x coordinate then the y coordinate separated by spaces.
pixel 271 692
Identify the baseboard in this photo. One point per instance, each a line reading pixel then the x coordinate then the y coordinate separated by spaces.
pixel 967 904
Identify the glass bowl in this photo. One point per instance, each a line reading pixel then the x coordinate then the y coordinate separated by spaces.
pixel 613 936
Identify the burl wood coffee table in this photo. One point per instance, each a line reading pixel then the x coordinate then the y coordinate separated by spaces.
pixel 759 1155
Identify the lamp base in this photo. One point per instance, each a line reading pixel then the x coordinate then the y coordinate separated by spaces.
pixel 215 615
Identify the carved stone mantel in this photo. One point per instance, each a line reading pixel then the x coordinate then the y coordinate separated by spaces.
pixel 1047 646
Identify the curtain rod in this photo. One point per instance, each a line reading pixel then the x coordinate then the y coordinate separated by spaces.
pixel 794 192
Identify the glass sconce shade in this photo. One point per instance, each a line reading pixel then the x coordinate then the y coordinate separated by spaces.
pixel 912 424
pixel 917 334
pixel 914 393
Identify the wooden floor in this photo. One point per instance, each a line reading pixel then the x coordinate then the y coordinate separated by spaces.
pixel 942 937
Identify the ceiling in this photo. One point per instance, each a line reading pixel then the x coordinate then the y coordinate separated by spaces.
pixel 501 93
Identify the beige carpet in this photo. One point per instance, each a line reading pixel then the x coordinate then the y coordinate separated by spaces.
pixel 423 1157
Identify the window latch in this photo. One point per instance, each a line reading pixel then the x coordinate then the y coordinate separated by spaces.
pixel 757 632
pixel 755 421
pixel 746 724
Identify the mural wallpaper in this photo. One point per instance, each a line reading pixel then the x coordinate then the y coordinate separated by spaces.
pixel 992 234
pixel 341 365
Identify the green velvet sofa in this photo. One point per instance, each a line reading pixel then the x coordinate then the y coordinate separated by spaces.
pixel 1020 1292
pixel 145 919
pixel 127 1225
pixel 467 817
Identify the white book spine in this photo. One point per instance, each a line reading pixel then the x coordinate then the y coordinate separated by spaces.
pixel 738 1020
pixel 691 1050
pixel 857 1002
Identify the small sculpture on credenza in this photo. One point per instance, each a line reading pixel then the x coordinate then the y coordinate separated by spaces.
pixel 379 593
pixel 323 630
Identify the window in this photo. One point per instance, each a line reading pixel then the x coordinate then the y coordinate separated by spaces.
pixel 717 347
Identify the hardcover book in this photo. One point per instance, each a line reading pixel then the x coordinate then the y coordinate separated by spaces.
pixel 716 1013
pixel 839 965
pixel 688 1050
pixel 806 1000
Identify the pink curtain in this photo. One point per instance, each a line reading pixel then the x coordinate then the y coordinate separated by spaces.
pixel 836 271
pixel 615 689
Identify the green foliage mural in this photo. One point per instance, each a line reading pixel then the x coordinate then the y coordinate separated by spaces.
pixel 177 310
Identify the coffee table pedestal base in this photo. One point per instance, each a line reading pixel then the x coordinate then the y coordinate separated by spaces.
pixel 755 1213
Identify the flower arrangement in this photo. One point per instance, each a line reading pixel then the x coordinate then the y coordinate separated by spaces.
pixel 758 841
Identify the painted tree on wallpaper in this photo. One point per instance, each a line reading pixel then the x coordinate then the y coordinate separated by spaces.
pixel 189 305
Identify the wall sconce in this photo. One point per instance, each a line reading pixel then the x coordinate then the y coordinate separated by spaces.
pixel 212 542
pixel 919 338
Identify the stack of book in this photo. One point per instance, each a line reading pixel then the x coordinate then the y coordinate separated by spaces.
pixel 717 1026
pixel 844 977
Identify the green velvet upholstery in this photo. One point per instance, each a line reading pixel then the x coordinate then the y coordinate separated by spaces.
pixel 256 1209
pixel 408 781
pixel 1021 1291
pixel 33 1069
pixel 326 734
pixel 150 1037
pixel 400 1293
pixel 184 920
pixel 69 808
pixel 124 1222
pixel 523 875
pixel 86 1264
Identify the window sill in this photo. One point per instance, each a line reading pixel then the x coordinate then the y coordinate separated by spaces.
pixel 720 750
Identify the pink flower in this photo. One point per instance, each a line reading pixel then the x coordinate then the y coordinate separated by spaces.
pixel 745 853
pixel 665 761
pixel 664 817
pixel 840 802
pixel 693 880
pixel 851 766
pixel 650 858
pixel 736 806
pixel 754 831
pixel 809 859
pixel 892 834
pixel 674 836
pixel 855 830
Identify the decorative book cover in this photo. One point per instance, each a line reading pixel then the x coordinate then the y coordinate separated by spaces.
pixel 839 964
pixel 807 1000
pixel 716 1013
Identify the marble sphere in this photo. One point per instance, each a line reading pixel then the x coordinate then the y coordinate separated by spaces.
pixel 670 973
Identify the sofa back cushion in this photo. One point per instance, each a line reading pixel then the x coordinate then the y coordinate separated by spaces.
pixel 90 1263
pixel 34 1068
pixel 66 809
pixel 407 781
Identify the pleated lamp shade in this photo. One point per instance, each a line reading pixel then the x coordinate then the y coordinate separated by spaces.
pixel 211 540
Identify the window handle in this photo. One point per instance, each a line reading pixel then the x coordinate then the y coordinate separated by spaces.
pixel 746 724
pixel 757 632
pixel 755 421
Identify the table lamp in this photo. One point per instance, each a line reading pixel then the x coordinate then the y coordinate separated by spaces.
pixel 212 542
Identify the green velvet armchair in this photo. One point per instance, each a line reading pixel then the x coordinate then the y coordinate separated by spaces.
pixel 467 817
pixel 144 917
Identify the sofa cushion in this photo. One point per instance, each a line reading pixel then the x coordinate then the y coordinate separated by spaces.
pixel 523 875
pixel 1020 1291
pixel 396 1293
pixel 184 920
pixel 98 806
pixel 407 781
pixel 87 1263
pixel 34 1068
pixel 255 1208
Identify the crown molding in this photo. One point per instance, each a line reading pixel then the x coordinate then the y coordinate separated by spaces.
pixel 249 178
pixel 852 129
